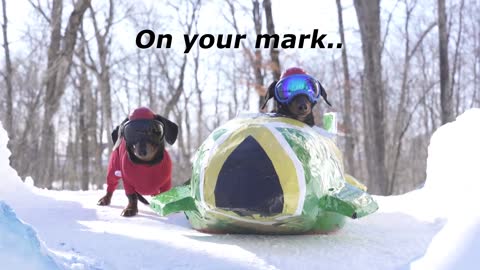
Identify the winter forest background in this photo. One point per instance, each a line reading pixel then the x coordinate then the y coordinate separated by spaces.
pixel 71 72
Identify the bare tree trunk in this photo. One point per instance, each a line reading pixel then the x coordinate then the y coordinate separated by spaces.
pixel 179 87
pixel 456 66
pixel 139 79
pixel 446 95
pixel 347 102
pixel 275 64
pixel 217 105
pixel 185 135
pixel 403 114
pixel 21 153
pixel 275 61
pixel 368 14
pixel 103 75
pixel 199 100
pixel 93 114
pixel 235 90
pixel 255 59
pixel 476 73
pixel 97 134
pixel 257 63
pixel 82 127
pixel 46 146
pixel 68 163
pixel 8 75
pixel 366 126
pixel 152 100
pixel 198 91
pixel 58 67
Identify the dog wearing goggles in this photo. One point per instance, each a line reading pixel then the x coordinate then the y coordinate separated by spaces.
pixel 139 158
pixel 296 94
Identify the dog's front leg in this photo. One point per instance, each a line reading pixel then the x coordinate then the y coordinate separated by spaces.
pixel 132 208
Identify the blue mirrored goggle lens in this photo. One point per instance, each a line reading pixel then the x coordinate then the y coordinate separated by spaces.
pixel 297 84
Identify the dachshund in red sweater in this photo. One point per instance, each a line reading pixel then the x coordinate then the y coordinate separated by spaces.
pixel 139 158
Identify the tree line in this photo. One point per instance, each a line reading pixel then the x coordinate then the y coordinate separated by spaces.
pixel 404 69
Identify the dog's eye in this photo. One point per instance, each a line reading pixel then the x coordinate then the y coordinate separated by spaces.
pixel 156 130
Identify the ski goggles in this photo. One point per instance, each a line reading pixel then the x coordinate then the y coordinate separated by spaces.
pixel 143 130
pixel 293 85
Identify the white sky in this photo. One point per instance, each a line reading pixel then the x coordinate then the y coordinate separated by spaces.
pixel 297 17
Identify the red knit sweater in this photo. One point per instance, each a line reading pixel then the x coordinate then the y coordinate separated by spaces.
pixel 141 178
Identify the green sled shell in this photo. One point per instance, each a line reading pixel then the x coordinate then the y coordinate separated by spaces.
pixel 269 175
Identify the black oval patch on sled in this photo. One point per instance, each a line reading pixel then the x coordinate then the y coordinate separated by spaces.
pixel 248 183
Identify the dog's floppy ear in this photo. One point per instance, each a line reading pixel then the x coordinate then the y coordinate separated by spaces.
pixel 323 93
pixel 270 93
pixel 115 133
pixel 171 129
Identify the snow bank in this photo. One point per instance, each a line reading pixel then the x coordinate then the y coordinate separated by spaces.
pixel 455 247
pixel 10 183
pixel 452 188
pixel 20 247
pixel 453 176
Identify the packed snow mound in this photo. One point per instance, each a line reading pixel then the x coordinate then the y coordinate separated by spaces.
pixel 451 190
pixel 453 179
pixel 455 247
pixel 12 184
pixel 20 247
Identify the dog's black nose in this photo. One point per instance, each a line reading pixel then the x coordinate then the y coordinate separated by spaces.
pixel 141 149
pixel 302 107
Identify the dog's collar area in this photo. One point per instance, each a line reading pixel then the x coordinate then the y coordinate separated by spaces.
pixel 284 112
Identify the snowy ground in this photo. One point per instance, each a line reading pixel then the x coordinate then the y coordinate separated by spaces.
pixel 436 227
pixel 72 224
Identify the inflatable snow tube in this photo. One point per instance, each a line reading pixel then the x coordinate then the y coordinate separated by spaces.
pixel 270 175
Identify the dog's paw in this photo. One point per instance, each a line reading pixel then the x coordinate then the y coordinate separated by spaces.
pixel 101 202
pixel 129 212
pixel 105 200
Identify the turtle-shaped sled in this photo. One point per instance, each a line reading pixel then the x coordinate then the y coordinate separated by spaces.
pixel 270 175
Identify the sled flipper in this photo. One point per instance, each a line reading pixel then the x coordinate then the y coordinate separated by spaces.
pixel 354 182
pixel 175 200
pixel 348 201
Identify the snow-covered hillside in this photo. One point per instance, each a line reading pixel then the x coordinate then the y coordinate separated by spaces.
pixel 436 227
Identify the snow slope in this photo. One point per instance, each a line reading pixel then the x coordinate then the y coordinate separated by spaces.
pixel 452 191
pixel 423 229
pixel 14 233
